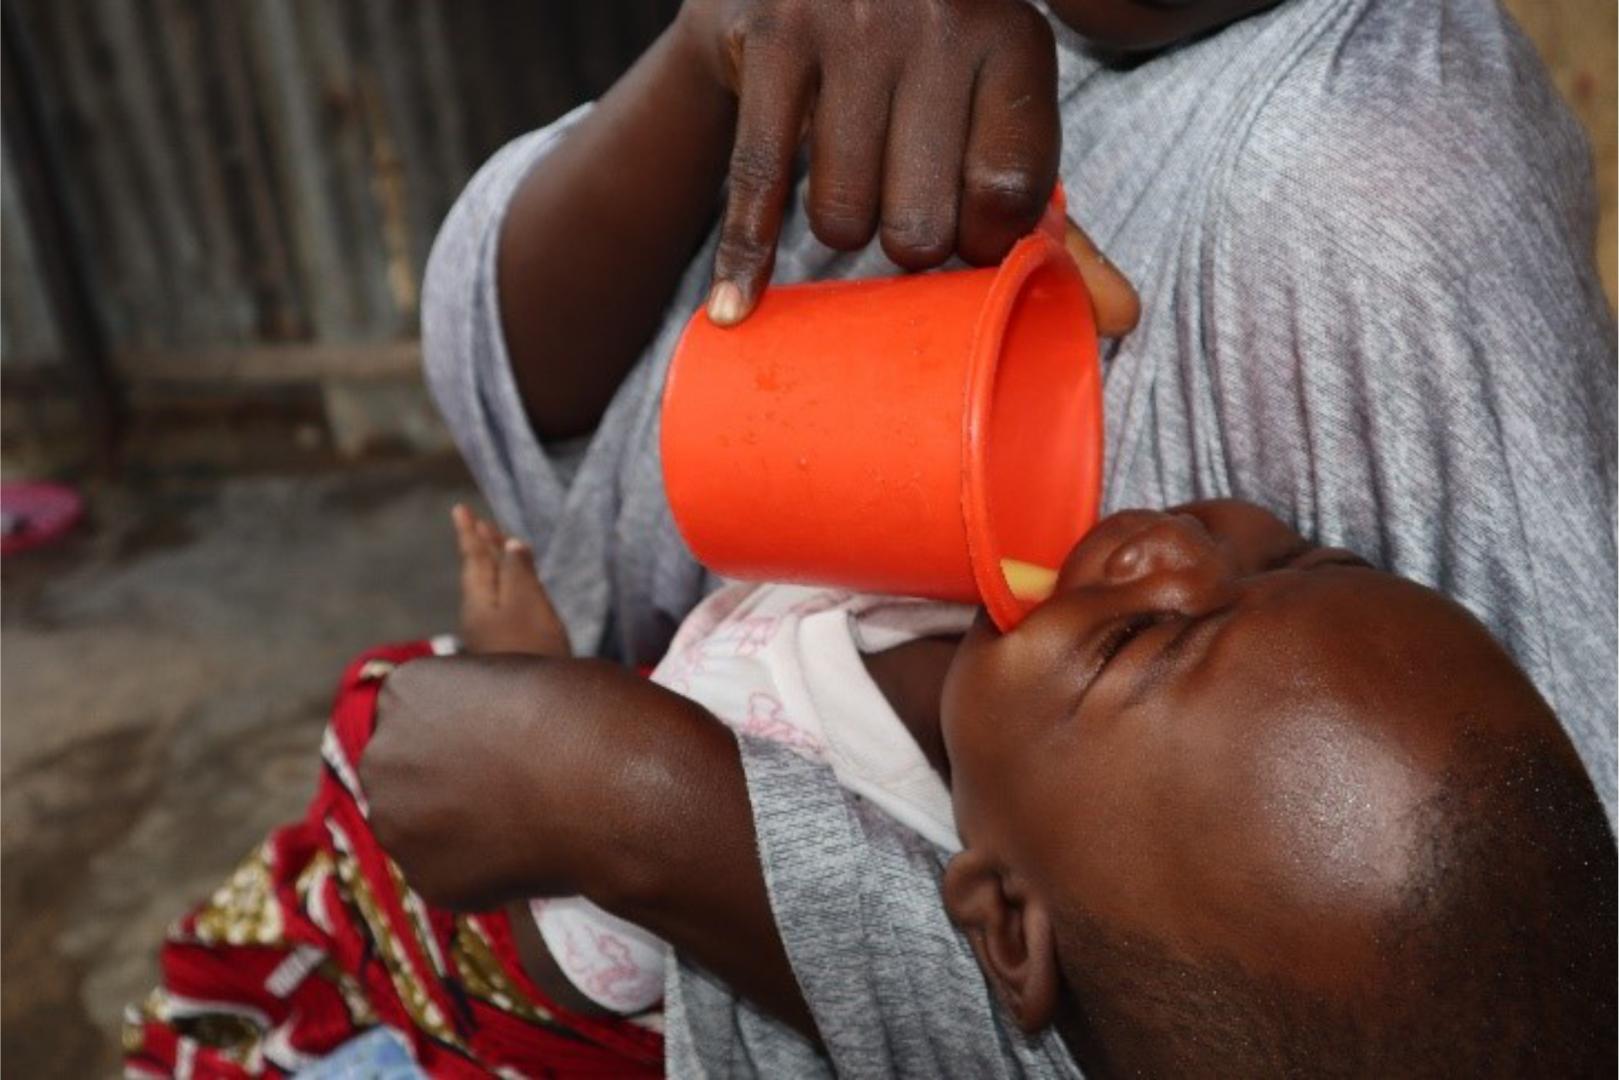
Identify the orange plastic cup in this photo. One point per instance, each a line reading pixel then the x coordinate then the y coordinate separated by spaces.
pixel 899 436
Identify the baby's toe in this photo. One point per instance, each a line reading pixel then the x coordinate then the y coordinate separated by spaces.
pixel 518 577
pixel 480 565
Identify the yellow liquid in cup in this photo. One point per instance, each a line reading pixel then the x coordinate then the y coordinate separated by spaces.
pixel 1029 582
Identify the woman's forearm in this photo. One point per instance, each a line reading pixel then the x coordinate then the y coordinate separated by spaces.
pixel 598 235
pixel 676 851
pixel 492 778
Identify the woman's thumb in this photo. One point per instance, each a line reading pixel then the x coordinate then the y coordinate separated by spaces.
pixel 1118 308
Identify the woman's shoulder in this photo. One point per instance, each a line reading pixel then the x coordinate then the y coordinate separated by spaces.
pixel 1411 131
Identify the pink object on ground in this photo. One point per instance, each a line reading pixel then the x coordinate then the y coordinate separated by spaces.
pixel 35 514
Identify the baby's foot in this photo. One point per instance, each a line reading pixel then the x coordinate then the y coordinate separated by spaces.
pixel 504 608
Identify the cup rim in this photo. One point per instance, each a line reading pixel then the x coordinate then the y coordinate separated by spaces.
pixel 1028 256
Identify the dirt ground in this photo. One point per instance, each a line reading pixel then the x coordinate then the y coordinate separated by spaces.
pixel 166 676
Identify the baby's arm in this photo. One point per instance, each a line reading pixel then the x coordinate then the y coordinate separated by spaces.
pixel 492 778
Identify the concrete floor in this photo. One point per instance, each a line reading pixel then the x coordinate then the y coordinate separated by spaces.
pixel 166 676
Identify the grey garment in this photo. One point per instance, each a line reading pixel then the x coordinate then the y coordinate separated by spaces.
pixel 870 939
pixel 1362 232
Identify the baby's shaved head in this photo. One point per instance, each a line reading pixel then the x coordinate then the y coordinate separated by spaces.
pixel 1498 959
pixel 1237 805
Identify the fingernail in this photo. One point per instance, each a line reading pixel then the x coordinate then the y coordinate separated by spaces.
pixel 514 546
pixel 725 303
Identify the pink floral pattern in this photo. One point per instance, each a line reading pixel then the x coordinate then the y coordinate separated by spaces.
pixel 767 719
pixel 613 975
pixel 623 975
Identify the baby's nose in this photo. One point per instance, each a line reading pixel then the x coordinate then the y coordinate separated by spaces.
pixel 1174 544
pixel 1086 562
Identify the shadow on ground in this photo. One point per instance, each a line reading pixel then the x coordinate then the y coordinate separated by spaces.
pixel 166 676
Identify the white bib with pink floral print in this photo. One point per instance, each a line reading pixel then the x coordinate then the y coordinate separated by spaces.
pixel 777 662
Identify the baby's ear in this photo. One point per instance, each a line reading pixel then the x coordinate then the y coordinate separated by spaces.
pixel 1010 931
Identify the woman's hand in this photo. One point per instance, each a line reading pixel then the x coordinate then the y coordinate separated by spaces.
pixel 932 123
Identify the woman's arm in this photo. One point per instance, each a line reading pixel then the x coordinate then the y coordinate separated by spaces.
pixel 932 125
pixel 597 237
pixel 497 777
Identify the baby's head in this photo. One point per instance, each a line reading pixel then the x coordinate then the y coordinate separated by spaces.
pixel 1234 804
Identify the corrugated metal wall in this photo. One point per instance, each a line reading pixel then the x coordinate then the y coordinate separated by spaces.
pixel 256 177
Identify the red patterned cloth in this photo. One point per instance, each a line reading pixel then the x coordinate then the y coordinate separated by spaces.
pixel 316 938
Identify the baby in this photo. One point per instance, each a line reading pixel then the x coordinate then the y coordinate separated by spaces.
pixel 1228 803
pixel 780 662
